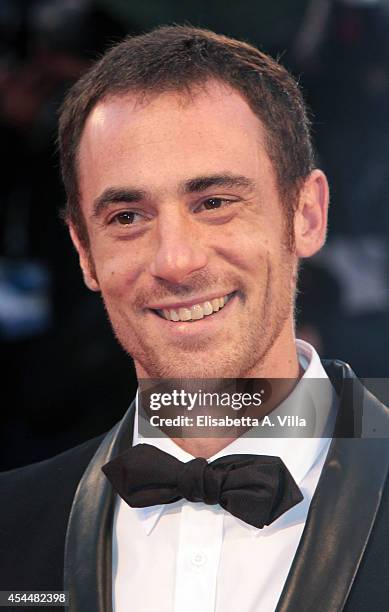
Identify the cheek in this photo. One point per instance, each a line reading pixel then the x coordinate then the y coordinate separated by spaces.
pixel 248 251
pixel 116 271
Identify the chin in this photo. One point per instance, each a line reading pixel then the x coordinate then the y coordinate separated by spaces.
pixel 227 360
pixel 183 372
pixel 199 368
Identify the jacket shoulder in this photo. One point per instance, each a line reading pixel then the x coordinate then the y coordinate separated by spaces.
pixel 42 473
pixel 36 502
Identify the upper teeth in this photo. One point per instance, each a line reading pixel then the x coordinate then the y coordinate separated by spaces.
pixel 197 311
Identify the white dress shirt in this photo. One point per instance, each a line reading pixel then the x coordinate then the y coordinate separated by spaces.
pixel 192 557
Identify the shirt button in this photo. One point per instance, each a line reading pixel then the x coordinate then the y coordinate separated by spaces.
pixel 199 559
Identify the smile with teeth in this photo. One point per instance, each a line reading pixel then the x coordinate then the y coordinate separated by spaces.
pixel 196 311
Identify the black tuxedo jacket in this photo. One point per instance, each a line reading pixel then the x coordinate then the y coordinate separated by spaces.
pixel 56 518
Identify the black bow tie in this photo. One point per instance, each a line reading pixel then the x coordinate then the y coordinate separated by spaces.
pixel 255 488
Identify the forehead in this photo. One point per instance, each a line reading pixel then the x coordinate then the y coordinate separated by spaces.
pixel 170 137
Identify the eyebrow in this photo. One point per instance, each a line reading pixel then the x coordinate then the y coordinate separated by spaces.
pixel 202 183
pixel 113 195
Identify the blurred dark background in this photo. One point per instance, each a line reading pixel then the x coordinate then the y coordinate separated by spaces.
pixel 64 378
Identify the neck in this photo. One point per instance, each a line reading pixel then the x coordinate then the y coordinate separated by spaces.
pixel 281 362
pixel 207 447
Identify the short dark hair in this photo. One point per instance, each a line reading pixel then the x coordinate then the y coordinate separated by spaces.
pixel 180 58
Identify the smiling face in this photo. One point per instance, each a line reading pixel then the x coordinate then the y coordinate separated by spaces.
pixel 187 235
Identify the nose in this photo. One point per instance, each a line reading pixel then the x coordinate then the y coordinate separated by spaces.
pixel 180 250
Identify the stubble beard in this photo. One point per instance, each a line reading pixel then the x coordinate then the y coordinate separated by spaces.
pixel 197 359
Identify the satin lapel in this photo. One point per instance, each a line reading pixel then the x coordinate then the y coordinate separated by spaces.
pixel 88 545
pixel 342 512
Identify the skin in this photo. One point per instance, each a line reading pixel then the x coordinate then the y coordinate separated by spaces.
pixel 191 240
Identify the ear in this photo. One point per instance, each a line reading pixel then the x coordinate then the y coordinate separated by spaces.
pixel 86 263
pixel 310 220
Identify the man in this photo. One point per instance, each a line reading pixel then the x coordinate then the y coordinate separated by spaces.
pixel 192 195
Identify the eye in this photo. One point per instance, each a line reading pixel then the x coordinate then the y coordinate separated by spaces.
pixel 215 203
pixel 127 217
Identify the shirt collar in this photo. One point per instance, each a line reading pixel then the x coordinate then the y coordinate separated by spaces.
pixel 316 397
